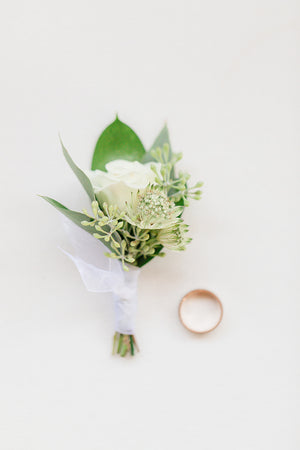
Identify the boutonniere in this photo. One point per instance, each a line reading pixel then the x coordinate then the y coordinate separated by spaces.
pixel 137 198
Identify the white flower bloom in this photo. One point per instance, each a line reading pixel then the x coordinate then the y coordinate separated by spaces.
pixel 152 209
pixel 174 238
pixel 121 180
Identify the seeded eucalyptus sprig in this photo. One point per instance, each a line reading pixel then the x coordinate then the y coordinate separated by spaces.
pixel 176 188
pixel 150 221
pixel 121 253
pixel 141 242
pixel 127 242
pixel 106 221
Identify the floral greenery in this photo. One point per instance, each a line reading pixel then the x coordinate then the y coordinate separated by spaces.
pixel 151 220
pixel 128 242
pixel 175 187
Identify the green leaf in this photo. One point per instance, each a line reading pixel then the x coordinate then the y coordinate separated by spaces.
pixel 162 138
pixel 84 180
pixel 75 216
pixel 117 141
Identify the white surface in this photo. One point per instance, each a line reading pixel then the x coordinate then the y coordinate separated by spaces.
pixel 226 77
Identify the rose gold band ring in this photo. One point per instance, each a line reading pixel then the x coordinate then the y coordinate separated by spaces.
pixel 200 294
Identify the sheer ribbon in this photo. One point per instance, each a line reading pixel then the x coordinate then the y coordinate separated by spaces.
pixel 102 274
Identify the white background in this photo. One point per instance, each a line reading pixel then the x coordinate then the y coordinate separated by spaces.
pixel 225 75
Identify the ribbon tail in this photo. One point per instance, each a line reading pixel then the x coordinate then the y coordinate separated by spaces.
pixel 101 274
pixel 94 279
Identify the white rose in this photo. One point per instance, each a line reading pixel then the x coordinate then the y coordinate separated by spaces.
pixel 121 179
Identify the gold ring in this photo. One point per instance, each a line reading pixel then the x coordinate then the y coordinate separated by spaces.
pixel 200 293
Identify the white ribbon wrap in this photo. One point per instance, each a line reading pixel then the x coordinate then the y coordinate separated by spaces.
pixel 102 274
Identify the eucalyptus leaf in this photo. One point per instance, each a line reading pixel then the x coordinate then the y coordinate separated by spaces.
pixel 118 141
pixel 82 177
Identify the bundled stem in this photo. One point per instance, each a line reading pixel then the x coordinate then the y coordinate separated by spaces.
pixel 123 344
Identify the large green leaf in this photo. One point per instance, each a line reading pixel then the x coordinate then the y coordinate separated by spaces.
pixel 117 141
pixel 162 138
pixel 84 180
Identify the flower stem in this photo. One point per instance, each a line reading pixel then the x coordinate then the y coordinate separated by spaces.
pixel 120 343
pixel 123 349
pixel 116 335
pixel 131 345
